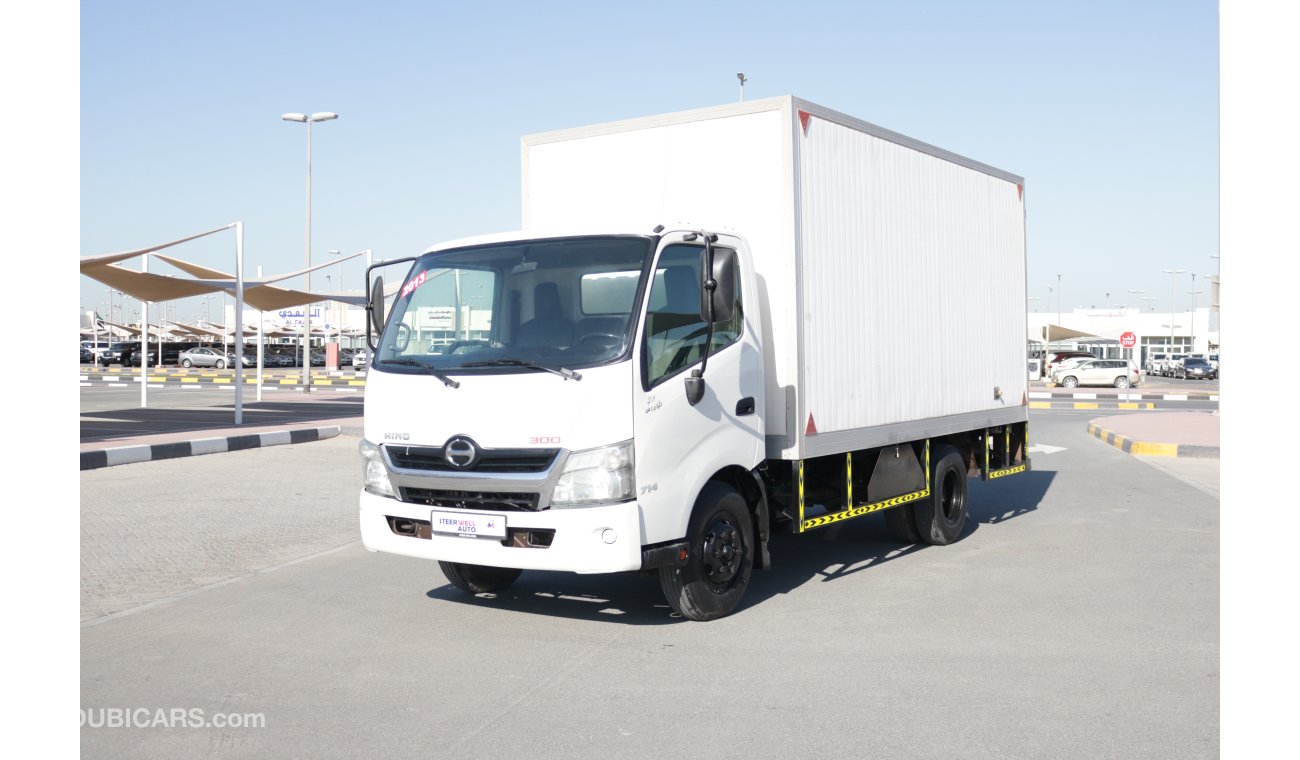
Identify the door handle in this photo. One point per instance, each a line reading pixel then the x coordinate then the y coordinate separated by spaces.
pixel 745 406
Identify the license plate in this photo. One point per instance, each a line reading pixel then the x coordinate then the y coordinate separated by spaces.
pixel 468 524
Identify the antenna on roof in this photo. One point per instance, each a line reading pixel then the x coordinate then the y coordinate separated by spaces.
pixel 741 76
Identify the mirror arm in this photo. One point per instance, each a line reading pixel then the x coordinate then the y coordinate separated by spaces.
pixel 695 383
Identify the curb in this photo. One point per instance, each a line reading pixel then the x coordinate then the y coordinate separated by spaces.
pixel 1126 396
pixel 1091 405
pixel 1145 448
pixel 228 381
pixel 92 460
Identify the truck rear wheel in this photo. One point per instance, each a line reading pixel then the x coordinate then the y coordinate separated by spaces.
pixel 720 557
pixel 479 579
pixel 900 521
pixel 941 518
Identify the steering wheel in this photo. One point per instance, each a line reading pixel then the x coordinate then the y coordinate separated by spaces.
pixel 607 341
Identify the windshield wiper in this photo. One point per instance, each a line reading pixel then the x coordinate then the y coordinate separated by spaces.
pixel 563 372
pixel 447 381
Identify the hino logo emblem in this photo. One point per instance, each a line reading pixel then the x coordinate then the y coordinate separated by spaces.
pixel 460 452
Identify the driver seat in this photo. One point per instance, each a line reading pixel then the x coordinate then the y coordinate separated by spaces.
pixel 548 327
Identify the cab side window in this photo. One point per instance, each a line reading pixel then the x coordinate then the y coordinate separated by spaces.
pixel 675 333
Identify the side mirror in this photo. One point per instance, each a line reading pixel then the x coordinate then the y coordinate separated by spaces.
pixel 723 291
pixel 376 306
pixel 375 314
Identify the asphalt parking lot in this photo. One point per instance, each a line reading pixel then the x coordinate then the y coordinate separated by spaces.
pixel 1076 618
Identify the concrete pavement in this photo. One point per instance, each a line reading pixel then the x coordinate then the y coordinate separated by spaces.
pixel 170 430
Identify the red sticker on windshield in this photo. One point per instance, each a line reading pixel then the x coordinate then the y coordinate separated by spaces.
pixel 413 284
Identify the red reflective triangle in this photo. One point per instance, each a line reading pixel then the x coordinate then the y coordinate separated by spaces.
pixel 804 118
pixel 812 426
pixel 1024 398
pixel 1020 191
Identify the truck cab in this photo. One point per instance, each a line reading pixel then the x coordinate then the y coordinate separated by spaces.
pixel 520 399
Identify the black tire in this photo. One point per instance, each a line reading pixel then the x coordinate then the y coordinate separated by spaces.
pixel 221 363
pixel 1070 382
pixel 900 522
pixel 479 579
pixel 1121 382
pixel 721 557
pixel 942 517
pixel 186 363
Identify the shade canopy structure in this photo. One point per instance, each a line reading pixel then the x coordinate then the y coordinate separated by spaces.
pixel 1057 332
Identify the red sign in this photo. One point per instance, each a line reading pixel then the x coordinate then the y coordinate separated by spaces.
pixel 1128 340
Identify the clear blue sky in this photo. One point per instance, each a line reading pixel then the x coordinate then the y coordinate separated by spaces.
pixel 1108 109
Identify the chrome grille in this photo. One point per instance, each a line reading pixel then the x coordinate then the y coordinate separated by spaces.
pixel 492 501
pixel 430 459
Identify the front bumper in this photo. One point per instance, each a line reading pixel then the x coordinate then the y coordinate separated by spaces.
pixel 581 541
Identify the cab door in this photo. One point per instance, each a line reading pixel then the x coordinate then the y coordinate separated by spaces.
pixel 679 446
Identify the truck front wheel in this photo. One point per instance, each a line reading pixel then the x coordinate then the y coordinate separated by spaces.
pixel 720 557
pixel 479 579
pixel 942 517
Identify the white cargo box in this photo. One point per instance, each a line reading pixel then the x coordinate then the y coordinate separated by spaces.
pixel 893 272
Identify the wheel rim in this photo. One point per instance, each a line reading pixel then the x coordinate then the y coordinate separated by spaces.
pixel 1122 382
pixel 951 500
pixel 1070 382
pixel 722 551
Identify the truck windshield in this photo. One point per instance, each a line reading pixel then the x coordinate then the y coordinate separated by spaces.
pixel 518 307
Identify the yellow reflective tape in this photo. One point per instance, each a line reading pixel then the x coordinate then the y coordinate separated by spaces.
pixel 1040 405
pixel 801 494
pixel 1008 471
pixel 189 379
pixel 817 522
pixel 1086 405
pixel 848 457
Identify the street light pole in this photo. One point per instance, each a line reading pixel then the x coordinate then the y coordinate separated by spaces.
pixel 306 322
pixel 1058 298
pixel 1173 304
pixel 1192 316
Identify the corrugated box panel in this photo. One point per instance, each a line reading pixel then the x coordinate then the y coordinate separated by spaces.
pixel 913 284
pixel 725 169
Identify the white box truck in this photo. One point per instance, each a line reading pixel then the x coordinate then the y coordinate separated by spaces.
pixel 715 324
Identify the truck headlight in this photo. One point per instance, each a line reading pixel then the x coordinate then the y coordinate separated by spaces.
pixel 596 476
pixel 375 474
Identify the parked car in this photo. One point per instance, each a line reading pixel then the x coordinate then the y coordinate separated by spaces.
pixel 212 357
pixel 112 354
pixel 279 359
pixel 1193 368
pixel 1153 363
pixel 132 359
pixel 1056 357
pixel 1170 364
pixel 1120 373
pixel 95 346
pixel 1214 362
pixel 361 358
